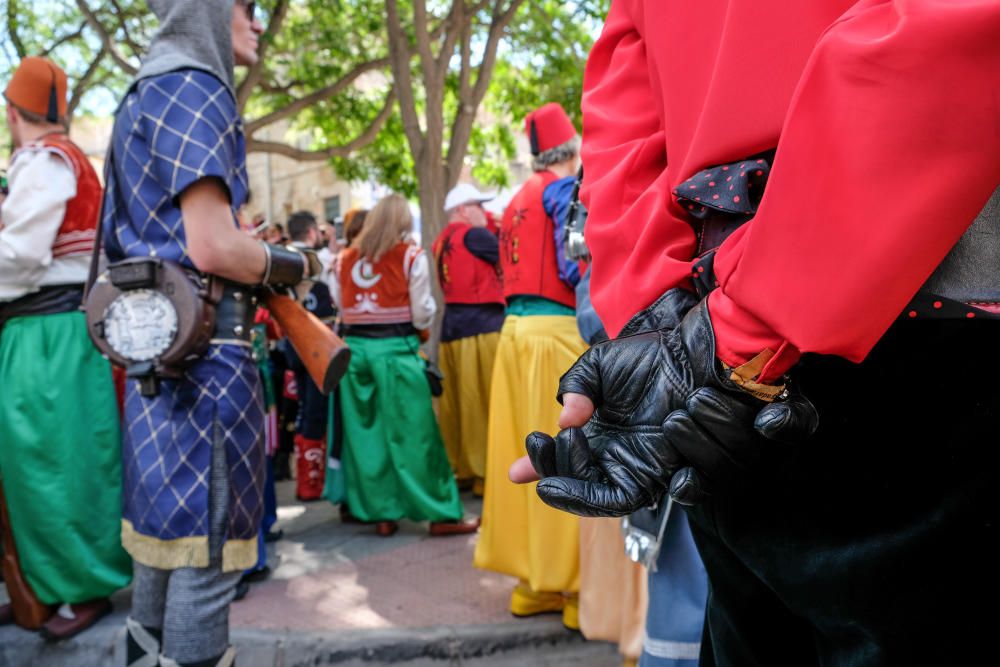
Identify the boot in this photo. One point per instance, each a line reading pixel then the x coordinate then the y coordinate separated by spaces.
pixel 142 644
pixel 310 467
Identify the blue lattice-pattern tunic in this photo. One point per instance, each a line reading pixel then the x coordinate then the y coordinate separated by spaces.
pixel 171 131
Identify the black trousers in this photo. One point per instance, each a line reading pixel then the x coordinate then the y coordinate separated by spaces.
pixel 875 542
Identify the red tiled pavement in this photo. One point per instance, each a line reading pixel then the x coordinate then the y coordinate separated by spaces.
pixel 427 583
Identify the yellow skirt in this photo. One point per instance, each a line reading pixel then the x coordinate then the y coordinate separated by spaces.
pixel 521 536
pixel 467 365
pixel 613 590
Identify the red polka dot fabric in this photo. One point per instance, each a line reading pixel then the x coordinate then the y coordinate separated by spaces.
pixel 734 188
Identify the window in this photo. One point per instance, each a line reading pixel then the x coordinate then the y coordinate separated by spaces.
pixel 331 207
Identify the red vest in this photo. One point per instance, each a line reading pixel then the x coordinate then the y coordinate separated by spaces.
pixel 464 277
pixel 76 235
pixel 377 293
pixel 528 247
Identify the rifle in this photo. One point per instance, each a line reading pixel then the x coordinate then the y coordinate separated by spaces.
pixel 29 612
pixel 323 353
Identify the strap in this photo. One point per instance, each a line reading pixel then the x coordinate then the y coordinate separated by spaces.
pixel 146 642
pixel 95 257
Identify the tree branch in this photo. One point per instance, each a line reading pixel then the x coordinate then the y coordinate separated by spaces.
pixel 105 38
pixel 399 57
pixel 64 39
pixel 255 71
pixel 344 150
pixel 15 39
pixel 461 129
pixel 316 96
pixel 83 84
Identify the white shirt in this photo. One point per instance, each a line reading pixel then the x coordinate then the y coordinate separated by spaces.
pixel 41 184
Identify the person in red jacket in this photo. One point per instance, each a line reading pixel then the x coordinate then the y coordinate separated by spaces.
pixel 468 258
pixel 521 537
pixel 789 196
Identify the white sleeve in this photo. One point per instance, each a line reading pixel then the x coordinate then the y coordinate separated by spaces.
pixel 41 184
pixel 333 281
pixel 422 304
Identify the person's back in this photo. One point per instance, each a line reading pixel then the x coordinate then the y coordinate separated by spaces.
pixel 394 461
pixel 59 421
pixel 783 224
pixel 467 256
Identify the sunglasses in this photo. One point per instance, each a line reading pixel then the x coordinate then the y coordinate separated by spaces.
pixel 249 7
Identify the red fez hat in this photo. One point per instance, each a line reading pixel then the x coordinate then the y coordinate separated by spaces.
pixel 547 127
pixel 38 86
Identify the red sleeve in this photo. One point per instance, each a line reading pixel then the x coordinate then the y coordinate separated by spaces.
pixel 890 148
pixel 626 189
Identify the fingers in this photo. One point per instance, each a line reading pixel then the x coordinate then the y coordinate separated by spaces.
pixel 697 446
pixel 541 450
pixel 566 455
pixel 583 377
pixel 576 411
pixel 790 422
pixel 521 471
pixel 585 498
pixel 687 487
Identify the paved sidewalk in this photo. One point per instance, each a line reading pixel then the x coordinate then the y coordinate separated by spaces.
pixel 340 595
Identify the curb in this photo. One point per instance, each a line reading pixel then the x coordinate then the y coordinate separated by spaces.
pixel 525 642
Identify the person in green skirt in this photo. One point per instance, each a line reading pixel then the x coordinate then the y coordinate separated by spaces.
pixel 60 442
pixel 393 458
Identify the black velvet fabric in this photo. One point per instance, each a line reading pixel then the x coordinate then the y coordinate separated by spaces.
pixel 874 543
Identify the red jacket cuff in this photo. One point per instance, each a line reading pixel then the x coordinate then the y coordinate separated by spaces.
pixel 740 336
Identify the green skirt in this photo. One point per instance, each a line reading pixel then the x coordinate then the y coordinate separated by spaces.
pixel 60 459
pixel 394 460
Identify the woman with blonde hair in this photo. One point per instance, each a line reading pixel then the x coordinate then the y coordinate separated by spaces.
pixel 393 458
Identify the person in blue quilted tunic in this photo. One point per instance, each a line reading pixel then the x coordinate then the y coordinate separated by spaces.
pixel 193 458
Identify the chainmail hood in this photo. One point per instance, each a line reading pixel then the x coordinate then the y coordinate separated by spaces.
pixel 195 34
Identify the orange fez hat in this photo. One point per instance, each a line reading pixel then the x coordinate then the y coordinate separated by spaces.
pixel 547 127
pixel 39 86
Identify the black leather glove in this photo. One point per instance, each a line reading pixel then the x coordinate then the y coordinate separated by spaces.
pixel 663 407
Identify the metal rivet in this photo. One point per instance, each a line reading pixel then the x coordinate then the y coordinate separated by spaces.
pixel 238 330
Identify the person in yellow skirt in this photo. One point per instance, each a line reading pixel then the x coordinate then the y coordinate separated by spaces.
pixel 468 256
pixel 520 535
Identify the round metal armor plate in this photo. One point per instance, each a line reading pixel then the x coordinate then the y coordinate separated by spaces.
pixel 140 325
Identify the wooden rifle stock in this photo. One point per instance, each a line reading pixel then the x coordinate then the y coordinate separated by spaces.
pixel 29 612
pixel 323 353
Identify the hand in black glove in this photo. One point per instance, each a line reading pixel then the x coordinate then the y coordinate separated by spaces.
pixel 663 407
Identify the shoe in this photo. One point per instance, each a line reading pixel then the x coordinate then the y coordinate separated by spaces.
pixel 73 619
pixel 255 576
pixel 6 614
pixel 242 588
pixel 448 528
pixel 386 528
pixel 526 602
pixel 571 612
pixel 346 516
pixel 479 487
pixel 273 536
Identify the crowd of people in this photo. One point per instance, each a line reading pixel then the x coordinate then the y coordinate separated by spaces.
pixel 665 379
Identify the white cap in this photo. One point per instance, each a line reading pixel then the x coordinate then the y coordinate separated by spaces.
pixel 463 193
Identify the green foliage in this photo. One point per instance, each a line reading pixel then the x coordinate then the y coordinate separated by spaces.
pixel 541 59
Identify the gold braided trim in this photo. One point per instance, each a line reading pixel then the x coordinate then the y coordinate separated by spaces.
pixel 239 555
pixel 164 554
pixel 746 375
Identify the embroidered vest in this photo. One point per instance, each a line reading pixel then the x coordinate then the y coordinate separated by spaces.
pixel 79 227
pixel 464 277
pixel 379 292
pixel 527 246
